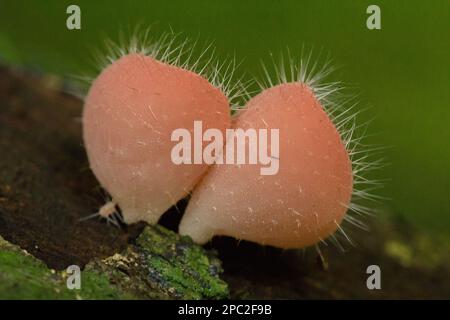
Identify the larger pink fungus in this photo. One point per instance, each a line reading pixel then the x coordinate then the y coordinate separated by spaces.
pixel 300 205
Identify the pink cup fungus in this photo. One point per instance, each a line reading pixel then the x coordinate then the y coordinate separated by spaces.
pixel 131 110
pixel 295 195
pixel 303 203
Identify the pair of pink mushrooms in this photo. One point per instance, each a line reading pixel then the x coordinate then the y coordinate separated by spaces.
pixel 135 104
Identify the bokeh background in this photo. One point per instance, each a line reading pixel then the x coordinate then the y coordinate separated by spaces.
pixel 402 70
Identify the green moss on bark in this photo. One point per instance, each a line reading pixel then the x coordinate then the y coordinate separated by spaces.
pixel 24 277
pixel 180 266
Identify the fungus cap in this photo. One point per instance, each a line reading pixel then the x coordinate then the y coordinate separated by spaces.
pixel 300 205
pixel 129 114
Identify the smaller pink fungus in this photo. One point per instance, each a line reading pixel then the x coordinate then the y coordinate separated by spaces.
pixel 300 205
pixel 129 114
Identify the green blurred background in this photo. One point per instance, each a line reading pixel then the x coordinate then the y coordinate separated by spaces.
pixel 402 70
